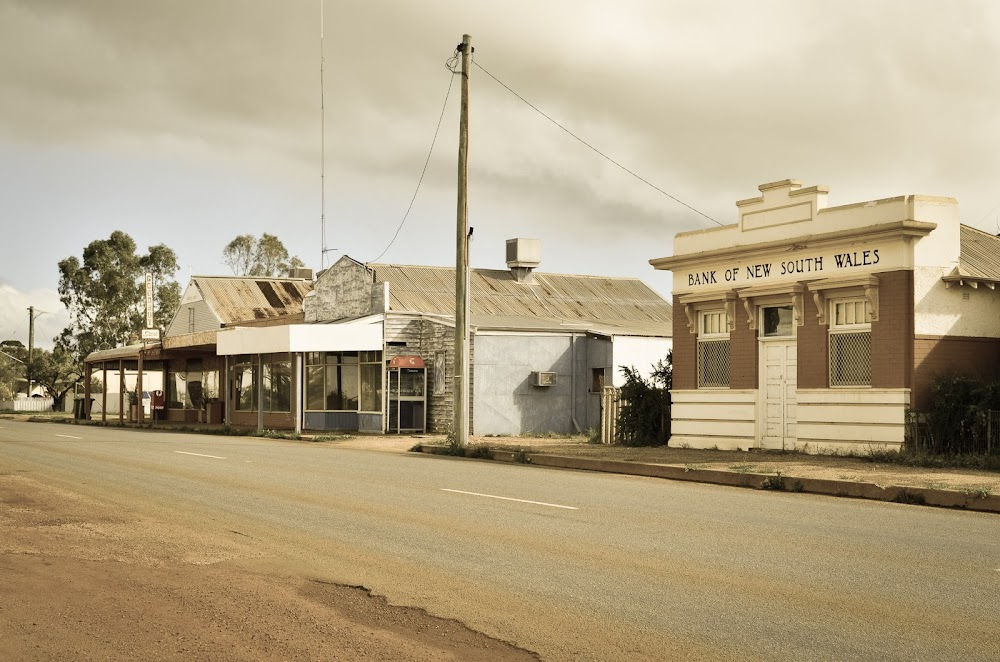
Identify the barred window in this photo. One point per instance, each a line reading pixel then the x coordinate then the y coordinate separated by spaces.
pixel 713 349
pixel 850 343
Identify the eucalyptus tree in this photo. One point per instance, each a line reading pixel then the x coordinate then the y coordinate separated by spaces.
pixel 267 256
pixel 105 293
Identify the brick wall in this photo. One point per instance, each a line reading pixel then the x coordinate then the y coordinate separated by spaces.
pixel 685 351
pixel 813 348
pixel 892 334
pixel 743 348
pixel 935 356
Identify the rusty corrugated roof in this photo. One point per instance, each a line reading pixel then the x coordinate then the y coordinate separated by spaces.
pixel 980 254
pixel 558 299
pixel 242 299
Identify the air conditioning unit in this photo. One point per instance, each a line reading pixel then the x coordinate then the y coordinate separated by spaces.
pixel 543 378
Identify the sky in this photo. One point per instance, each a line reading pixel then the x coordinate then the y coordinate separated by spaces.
pixel 188 122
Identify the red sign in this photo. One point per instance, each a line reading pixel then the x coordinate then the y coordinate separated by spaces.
pixel 406 362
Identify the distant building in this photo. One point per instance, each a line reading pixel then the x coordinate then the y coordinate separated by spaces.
pixel 807 326
pixel 542 347
pixel 184 370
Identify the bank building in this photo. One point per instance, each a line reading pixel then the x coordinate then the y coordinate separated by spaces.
pixel 804 326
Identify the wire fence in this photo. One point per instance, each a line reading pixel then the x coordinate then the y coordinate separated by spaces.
pixel 979 436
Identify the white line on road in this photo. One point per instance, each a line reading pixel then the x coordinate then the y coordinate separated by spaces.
pixel 201 455
pixel 66 436
pixel 493 496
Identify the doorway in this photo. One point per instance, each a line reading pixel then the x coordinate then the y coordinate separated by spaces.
pixel 778 378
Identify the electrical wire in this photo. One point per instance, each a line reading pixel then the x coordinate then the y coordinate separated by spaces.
pixel 437 129
pixel 597 151
pixel 987 215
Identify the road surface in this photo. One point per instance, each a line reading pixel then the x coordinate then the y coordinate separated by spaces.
pixel 569 565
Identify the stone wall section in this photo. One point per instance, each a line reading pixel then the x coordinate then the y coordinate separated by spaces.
pixel 344 291
pixel 431 340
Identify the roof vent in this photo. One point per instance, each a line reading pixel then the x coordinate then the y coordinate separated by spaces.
pixel 523 255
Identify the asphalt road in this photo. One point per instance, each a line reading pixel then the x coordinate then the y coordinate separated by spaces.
pixel 569 564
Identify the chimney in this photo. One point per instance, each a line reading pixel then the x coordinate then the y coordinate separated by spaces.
pixel 301 272
pixel 523 255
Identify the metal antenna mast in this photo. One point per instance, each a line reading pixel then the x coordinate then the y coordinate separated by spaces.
pixel 322 141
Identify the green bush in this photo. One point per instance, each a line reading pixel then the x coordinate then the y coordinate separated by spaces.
pixel 956 422
pixel 644 418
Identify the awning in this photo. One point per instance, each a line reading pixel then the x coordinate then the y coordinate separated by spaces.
pixel 126 352
pixel 364 334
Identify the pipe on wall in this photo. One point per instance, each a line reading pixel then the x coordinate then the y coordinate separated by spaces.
pixel 572 383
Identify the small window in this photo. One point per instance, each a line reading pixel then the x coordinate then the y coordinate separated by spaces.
pixel 777 321
pixel 850 343
pixel 713 349
pixel 596 380
pixel 191 319
pixel 713 322
pixel 850 313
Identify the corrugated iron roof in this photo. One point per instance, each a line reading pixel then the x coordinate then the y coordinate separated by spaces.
pixel 560 299
pixel 241 299
pixel 980 254
pixel 124 352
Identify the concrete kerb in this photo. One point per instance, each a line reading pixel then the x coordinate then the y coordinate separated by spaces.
pixel 837 488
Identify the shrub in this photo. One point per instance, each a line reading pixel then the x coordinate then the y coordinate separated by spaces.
pixel 479 451
pixel 956 422
pixel 644 418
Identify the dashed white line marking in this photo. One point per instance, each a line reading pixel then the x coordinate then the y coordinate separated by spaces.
pixel 216 457
pixel 67 436
pixel 493 496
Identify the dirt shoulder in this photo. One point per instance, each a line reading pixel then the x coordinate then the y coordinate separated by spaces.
pixel 84 583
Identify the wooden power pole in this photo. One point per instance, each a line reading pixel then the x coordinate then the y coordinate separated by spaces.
pixel 31 345
pixel 461 385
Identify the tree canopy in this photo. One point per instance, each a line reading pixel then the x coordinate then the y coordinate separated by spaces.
pixel 105 293
pixel 247 255
pixel 13 356
pixel 58 371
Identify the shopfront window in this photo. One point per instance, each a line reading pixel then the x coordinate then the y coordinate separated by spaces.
pixel 245 395
pixel 276 382
pixel 192 386
pixel 344 381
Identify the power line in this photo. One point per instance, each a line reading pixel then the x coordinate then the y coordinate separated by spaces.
pixel 986 215
pixel 451 79
pixel 597 151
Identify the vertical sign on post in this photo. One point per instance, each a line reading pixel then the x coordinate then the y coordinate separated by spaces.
pixel 149 300
pixel 142 352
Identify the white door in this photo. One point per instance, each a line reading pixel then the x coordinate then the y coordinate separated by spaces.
pixel 777 387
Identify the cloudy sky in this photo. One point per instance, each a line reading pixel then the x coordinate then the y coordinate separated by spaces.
pixel 188 122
